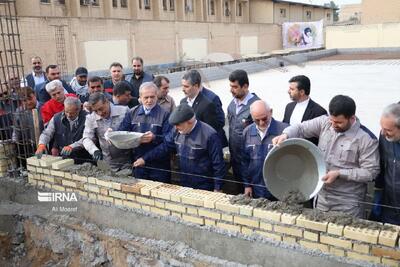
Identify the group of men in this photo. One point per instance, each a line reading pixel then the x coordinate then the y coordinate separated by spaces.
pixel 77 117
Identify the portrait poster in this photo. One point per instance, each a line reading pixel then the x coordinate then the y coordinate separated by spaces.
pixel 303 34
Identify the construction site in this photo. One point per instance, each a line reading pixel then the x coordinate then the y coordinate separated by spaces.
pixel 54 212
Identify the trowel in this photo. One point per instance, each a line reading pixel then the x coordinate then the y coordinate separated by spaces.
pixel 103 165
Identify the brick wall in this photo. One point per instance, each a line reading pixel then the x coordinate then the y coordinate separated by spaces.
pixel 214 209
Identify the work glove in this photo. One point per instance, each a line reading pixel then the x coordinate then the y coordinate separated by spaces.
pixel 97 155
pixel 66 151
pixel 376 210
pixel 40 150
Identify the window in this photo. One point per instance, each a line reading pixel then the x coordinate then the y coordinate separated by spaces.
pixel 240 9
pixel 282 12
pixel 164 5
pixel 308 15
pixel 146 4
pixel 95 2
pixel 328 16
pixel 227 12
pixel 188 5
pixel 61 2
pixel 45 1
pixel 124 3
pixel 171 5
pixel 140 4
pixel 211 7
pixel 114 3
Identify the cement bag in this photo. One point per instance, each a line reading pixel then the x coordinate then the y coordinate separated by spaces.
pixel 123 139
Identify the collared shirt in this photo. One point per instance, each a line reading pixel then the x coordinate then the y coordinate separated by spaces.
pixel 72 123
pixel 240 103
pixel 191 101
pixel 194 125
pixel 262 133
pixel 298 111
pixel 167 103
pixel 41 78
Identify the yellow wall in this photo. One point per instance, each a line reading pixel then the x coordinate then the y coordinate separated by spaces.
pixel 362 36
pixel 261 11
pixel 380 11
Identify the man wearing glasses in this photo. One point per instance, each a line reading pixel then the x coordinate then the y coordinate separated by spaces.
pixel 257 142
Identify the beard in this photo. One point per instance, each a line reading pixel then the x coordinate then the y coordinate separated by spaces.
pixel 392 139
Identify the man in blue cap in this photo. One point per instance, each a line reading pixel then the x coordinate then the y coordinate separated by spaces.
pixel 198 147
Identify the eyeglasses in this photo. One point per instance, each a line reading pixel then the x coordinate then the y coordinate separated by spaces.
pixel 265 119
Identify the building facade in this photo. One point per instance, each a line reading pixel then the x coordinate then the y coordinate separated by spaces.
pixel 94 33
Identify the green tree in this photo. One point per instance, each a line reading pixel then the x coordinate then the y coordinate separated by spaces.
pixel 335 8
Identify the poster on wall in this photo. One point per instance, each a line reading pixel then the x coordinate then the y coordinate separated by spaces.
pixel 303 34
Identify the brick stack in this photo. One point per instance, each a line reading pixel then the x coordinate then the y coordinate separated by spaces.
pixel 7 157
pixel 214 209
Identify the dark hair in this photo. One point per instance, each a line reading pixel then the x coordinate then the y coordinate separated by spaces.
pixel 303 83
pixel 120 88
pixel 137 58
pixel 157 80
pixel 240 76
pixel 95 79
pixel 25 92
pixel 193 77
pixel 308 29
pixel 52 66
pixel 116 64
pixel 96 97
pixel 342 105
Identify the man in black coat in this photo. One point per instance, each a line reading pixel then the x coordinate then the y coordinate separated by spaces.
pixel 303 108
pixel 204 109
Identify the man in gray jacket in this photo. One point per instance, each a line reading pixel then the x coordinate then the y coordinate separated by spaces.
pixel 105 115
pixel 350 151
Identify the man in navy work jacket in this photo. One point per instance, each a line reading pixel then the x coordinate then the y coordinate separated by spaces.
pixel 198 147
pixel 257 138
pixel 152 120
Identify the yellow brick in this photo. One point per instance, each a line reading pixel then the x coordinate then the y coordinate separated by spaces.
pixel 49 185
pixel 40 183
pixel 229 227
pixel 82 193
pixel 68 175
pixel 46 171
pixel 68 189
pixel 146 208
pixel 365 235
pixel 39 170
pixel 246 210
pixel 209 201
pixel 209 222
pixel 247 231
pixel 390 262
pixel 131 188
pixel 47 161
pixel 32 181
pixel 116 186
pixel 363 257
pixel 193 198
pixel 270 235
pixel 388 238
pixel 31 168
pixel 312 245
pixel 288 218
pixel 160 211
pixel 131 197
pixel 246 221
pixel 337 251
pixel 58 187
pixel 175 207
pixel 362 248
pixel 148 186
pixel 193 219
pixel 335 229
pixel 58 180
pixel 38 176
pixel 224 205
pixel 30 175
pixel 104 183
pixel 92 188
pixel 62 164
pixel 289 239
pixel 313 225
pixel 68 183
pixel 311 236
pixel 118 202
pixel 267 215
pixel 176 214
pixel 48 178
pixel 79 178
pixel 210 214
pixel 117 194
pixel 104 191
pixel 288 230
pixel 386 252
pixel 92 196
pixel 334 241
pixel 226 217
pixel 34 161
pixel 80 185
pixel 131 204
pixel 192 211
pixel 145 200
pixel 265 226
pixel 176 195
pixel 92 180
pixel 159 204
pixel 105 198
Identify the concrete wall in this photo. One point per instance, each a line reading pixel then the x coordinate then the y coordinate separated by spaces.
pixel 362 36
pixel 261 11
pixel 205 208
pixel 144 38
pixel 349 11
pixel 377 11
